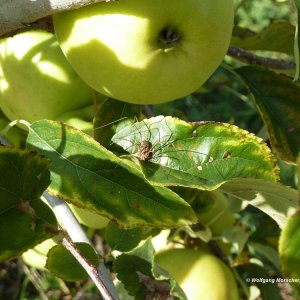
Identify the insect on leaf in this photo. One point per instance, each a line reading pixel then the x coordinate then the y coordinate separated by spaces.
pixel 200 155
pixel 89 176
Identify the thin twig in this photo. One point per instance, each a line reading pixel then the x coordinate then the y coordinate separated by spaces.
pixel 253 59
pixel 89 268
pixel 70 224
pixel 36 282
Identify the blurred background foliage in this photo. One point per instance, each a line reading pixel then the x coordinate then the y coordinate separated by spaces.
pixel 256 15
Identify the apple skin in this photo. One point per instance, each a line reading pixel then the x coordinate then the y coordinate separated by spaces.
pixel 146 52
pixel 201 275
pixel 81 119
pixel 289 243
pixel 88 218
pixel 34 259
pixel 215 212
pixel 36 80
pixel 212 210
pixel 37 256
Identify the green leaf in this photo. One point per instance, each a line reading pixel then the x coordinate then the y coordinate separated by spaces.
pixel 267 252
pixel 89 176
pixel 297 3
pixel 278 37
pixel 25 220
pixel 134 266
pixel 63 264
pixel 278 102
pixel 200 155
pixel 142 278
pixel 122 239
pixel 110 114
pixel 276 200
pixel 236 235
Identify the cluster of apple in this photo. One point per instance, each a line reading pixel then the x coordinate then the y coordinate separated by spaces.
pixel 37 82
pixel 137 51
pixel 134 51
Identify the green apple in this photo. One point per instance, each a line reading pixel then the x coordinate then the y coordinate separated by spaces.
pixel 146 52
pixel 34 259
pixel 289 244
pixel 201 275
pixel 81 119
pixel 212 210
pixel 88 218
pixel 44 247
pixel 37 256
pixel 36 80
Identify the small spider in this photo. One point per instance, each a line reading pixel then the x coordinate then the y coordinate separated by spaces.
pixel 145 151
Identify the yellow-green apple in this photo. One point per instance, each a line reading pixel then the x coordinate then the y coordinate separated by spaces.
pixel 201 275
pixel 34 259
pixel 37 256
pixel 88 218
pixel 289 244
pixel 81 118
pixel 212 209
pixel 36 80
pixel 143 51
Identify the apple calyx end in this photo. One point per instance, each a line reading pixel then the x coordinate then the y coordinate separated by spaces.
pixel 168 37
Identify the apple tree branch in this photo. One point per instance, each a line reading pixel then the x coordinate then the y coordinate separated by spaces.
pixel 253 59
pixel 19 14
